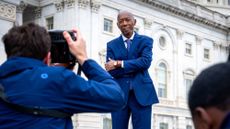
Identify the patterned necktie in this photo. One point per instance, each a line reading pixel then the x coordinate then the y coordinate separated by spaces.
pixel 128 42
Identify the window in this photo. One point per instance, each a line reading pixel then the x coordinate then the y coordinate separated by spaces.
pixel 228 2
pixel 162 42
pixel 188 80
pixel 50 23
pixel 107 123
pixel 188 49
pixel 188 127
pixel 162 80
pixel 188 84
pixel 108 25
pixel 163 125
pixel 206 53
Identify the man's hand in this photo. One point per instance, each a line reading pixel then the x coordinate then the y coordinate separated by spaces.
pixel 78 47
pixel 112 64
pixel 66 65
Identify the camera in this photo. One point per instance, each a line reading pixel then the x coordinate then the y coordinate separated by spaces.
pixel 59 48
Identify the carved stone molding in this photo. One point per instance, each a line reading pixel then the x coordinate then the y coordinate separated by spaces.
pixel 216 45
pixel 228 21
pixel 83 3
pixel 198 40
pixel 7 11
pixel 186 14
pixel 148 23
pixel 102 55
pixel 224 44
pixel 21 7
pixel 180 34
pixel 70 3
pixel 59 4
pixel 37 12
pixel 95 5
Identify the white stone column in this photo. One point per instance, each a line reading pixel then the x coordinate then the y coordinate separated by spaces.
pixel 181 122
pixel 147 26
pixel 179 65
pixel 84 17
pixel 19 13
pixel 199 53
pixel 59 16
pixel 70 14
pixel 96 45
pixel 37 12
pixel 228 38
pixel 154 120
pixel 217 51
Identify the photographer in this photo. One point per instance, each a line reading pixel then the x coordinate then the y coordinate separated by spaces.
pixel 35 95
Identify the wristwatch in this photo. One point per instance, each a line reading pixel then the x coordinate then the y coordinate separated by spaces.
pixel 115 63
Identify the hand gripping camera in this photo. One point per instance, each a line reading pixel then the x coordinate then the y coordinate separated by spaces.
pixel 60 51
pixel 59 48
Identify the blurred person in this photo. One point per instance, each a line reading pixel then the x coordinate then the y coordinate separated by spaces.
pixel 37 96
pixel 128 58
pixel 209 98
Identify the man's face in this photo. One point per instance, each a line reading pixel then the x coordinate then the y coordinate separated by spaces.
pixel 126 23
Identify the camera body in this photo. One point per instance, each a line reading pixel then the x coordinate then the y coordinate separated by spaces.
pixel 59 48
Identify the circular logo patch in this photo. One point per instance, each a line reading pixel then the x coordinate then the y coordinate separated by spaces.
pixel 44 76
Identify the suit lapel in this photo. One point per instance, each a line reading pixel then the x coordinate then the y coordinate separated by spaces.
pixel 134 44
pixel 121 47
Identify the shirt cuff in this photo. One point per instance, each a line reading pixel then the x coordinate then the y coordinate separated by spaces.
pixel 122 64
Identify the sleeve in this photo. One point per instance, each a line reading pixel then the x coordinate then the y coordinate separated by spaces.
pixel 143 61
pixel 100 93
pixel 110 54
pixel 132 66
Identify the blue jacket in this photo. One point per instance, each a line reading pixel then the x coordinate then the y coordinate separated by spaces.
pixel 31 83
pixel 135 70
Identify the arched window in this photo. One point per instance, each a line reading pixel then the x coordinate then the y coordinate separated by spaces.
pixel 162 80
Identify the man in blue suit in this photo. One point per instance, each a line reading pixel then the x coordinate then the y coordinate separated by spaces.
pixel 209 98
pixel 37 96
pixel 128 58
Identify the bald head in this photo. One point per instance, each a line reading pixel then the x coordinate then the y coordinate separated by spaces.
pixel 121 13
pixel 126 23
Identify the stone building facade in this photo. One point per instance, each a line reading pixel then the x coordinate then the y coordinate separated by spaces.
pixel 189 35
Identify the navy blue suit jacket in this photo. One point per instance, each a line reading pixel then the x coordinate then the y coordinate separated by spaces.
pixel 31 83
pixel 135 71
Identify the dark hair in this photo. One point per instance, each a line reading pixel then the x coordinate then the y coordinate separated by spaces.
pixel 28 40
pixel 211 88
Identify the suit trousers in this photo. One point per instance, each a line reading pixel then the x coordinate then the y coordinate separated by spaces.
pixel 141 115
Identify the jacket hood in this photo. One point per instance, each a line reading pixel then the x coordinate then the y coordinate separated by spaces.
pixel 16 64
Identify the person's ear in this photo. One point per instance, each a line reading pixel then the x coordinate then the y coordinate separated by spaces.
pixel 118 25
pixel 202 119
pixel 135 21
pixel 47 59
